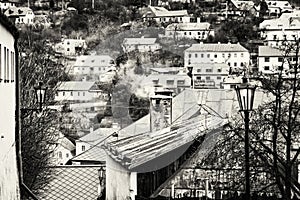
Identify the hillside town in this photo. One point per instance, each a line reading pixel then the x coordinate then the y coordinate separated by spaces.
pixel 149 99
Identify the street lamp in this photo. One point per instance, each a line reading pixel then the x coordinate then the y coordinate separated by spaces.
pixel 245 94
pixel 40 94
pixel 101 173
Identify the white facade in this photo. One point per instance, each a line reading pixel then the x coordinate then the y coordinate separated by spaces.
pixel 22 15
pixel 140 44
pixel 80 91
pixel 270 60
pixel 210 75
pixel 235 55
pixel 9 183
pixel 281 30
pixel 71 47
pixel 199 31
pixel 93 65
pixel 64 151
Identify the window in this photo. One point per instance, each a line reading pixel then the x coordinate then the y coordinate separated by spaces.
pixel 229 64
pixel 202 55
pixel 235 55
pixel 242 64
pixel 83 148
pixel 229 55
pixel 78 93
pixel 7 64
pixel 242 55
pixel 71 93
pixel 198 33
pixel 60 155
pixel 219 77
pixel 155 82
pixel 184 33
pixel 4 64
pixel 67 155
pixel 216 56
pixel 198 70
pixel 12 71
pixel 274 37
pixel 219 70
pixel 267 59
pixel 64 93
pixel 68 43
pixel 196 55
pixel 83 93
pixel 266 68
pixel 280 59
pixel 207 78
pixel 208 70
pixel 190 33
pixel 208 55
pixel 223 55
pixel 190 55
pixel 92 68
pixel 235 64
pixel 170 82
pixel 68 49
pixel 180 82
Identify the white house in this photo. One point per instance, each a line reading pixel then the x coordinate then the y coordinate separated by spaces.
pixel 209 75
pixel 140 44
pixel 80 91
pixel 234 55
pixel 71 47
pixel 161 14
pixel 277 7
pixel 271 59
pixel 9 103
pixel 64 151
pixel 199 31
pixel 93 65
pixel 22 15
pixel 5 4
pixel 240 8
pixel 281 30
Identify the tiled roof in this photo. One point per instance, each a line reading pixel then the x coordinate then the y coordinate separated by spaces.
pixel 17 11
pixel 93 61
pixel 73 182
pixel 95 155
pixel 75 85
pixel 269 51
pixel 98 135
pixel 188 26
pixel 212 47
pixel 139 41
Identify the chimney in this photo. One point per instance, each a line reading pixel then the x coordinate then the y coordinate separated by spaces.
pixel 160 110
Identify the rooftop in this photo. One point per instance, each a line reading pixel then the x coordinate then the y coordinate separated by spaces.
pixel 267 51
pixel 17 11
pixel 216 47
pixel 189 26
pixel 73 182
pixel 139 41
pixel 75 86
pixel 162 12
pixel 279 4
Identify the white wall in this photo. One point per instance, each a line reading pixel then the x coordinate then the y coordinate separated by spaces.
pixel 76 95
pixel 142 47
pixel 120 183
pixel 271 66
pixel 9 188
pixel 193 34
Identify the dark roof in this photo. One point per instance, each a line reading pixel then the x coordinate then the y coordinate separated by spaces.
pixel 73 182
pixel 8 25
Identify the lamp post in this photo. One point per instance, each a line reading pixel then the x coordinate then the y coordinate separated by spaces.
pixel 245 94
pixel 101 174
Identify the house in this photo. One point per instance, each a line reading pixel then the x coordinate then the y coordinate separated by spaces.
pixel 9 103
pixel 234 55
pixel 199 31
pixel 92 65
pixel 142 45
pixel 272 60
pixel 209 75
pixel 64 151
pixel 77 91
pixel 20 15
pixel 240 8
pixel 73 182
pixel 71 47
pixel 143 162
pixel 162 15
pixel 278 7
pixel 282 30
pixel 6 4
pixel 164 162
pixel 174 82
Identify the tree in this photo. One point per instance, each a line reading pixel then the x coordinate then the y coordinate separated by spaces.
pixel 39 130
pixel 274 132
pixel 138 107
pixel 138 66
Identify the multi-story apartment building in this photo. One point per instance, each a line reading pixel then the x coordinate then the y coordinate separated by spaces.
pixel 271 60
pixel 234 55
pixel 21 15
pixel 209 75
pixel 92 65
pixel 279 31
pixel 199 31
pixel 9 104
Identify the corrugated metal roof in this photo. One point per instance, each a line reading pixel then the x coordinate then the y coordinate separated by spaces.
pixel 73 182
pixel 211 47
pixel 188 26
pixel 75 85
